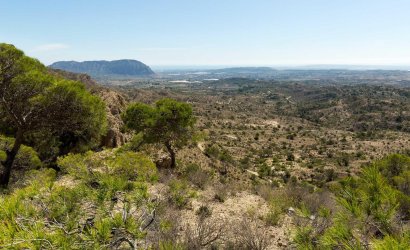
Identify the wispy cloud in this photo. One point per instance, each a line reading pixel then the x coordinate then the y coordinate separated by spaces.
pixel 50 47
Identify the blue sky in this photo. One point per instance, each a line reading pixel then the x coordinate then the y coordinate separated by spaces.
pixel 211 32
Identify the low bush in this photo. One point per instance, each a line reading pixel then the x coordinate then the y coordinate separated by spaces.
pixel 197 176
pixel 180 193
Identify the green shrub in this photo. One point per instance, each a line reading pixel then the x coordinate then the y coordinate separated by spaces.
pixel 86 213
pixel 180 193
pixel 196 175
pixel 64 204
pixel 212 151
pixel 390 243
pixel 102 230
pixel 3 155
pixel 274 215
pixel 393 165
pixel 77 165
pixel 341 235
pixel 303 238
pixel 204 212
pixel 27 157
pixel 133 166
pixel 225 156
pixel 126 165
pixel 290 157
pixel 264 170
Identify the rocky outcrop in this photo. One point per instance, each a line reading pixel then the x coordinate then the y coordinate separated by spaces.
pixel 115 104
pixel 163 161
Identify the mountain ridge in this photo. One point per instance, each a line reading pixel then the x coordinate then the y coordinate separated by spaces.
pixel 97 68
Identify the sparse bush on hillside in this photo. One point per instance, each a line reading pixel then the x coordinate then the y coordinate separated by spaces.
pixel 249 235
pixel 196 175
pixel 180 193
pixel 225 156
pixel 264 170
pixel 274 215
pixel 205 233
pixel 290 157
pixel 221 193
pixel 212 151
pixel 78 165
pixel 343 160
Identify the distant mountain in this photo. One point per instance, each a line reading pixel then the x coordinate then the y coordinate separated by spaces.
pixel 106 68
pixel 245 70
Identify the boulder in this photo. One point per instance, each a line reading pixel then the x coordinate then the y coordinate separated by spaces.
pixel 163 161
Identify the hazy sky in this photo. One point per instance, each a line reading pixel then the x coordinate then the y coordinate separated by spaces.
pixel 211 32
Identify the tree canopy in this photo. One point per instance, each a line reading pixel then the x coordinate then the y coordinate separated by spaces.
pixel 168 122
pixel 34 104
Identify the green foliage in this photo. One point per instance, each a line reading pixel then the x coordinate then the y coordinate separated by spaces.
pixel 169 245
pixel 102 230
pixel 168 121
pixel 264 170
pixel 196 175
pixel 204 212
pixel 303 238
pixel 395 165
pixel 26 158
pixel 396 169
pixel 77 165
pixel 134 143
pixel 274 215
pixel 133 166
pixel 371 196
pixel 340 234
pixel 3 155
pixel 83 129
pixel 389 243
pixel 225 156
pixel 372 203
pixel 212 151
pixel 97 198
pixel 219 153
pixel 139 116
pixel 379 199
pixel 65 204
pixel 38 108
pixel 123 171
pixel 180 193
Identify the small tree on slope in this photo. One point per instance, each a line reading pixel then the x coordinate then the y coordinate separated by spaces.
pixel 169 122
